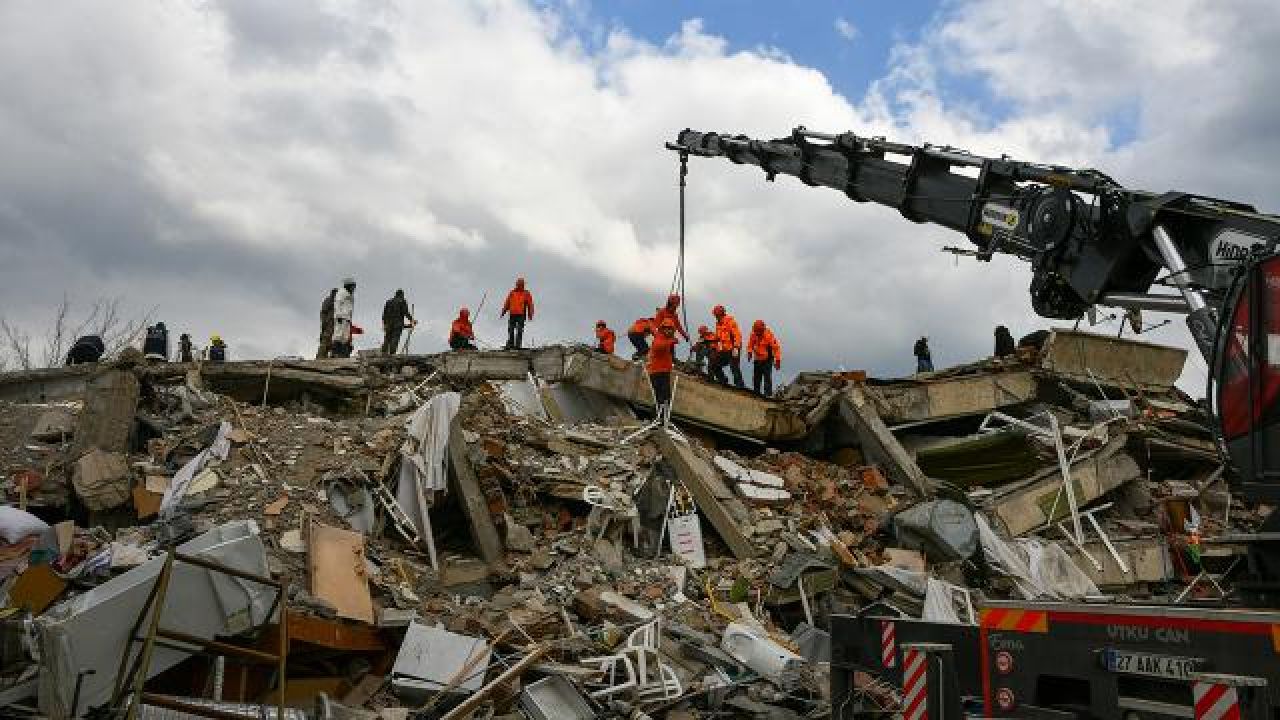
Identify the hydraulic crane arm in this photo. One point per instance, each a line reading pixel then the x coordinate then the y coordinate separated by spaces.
pixel 1089 240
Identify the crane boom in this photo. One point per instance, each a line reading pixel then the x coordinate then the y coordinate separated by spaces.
pixel 1089 239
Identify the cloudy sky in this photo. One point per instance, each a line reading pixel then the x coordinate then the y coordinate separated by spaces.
pixel 226 162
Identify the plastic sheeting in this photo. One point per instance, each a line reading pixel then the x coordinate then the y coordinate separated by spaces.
pixel 182 479
pixel 1039 569
pixel 424 457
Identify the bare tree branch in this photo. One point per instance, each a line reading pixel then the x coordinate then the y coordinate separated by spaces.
pixel 105 318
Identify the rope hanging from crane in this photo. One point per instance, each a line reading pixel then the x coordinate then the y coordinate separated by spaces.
pixel 677 280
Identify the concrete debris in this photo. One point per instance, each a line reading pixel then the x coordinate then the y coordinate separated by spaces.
pixel 488 532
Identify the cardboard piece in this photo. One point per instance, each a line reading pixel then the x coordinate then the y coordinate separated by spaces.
pixel 275 507
pixel 36 589
pixel 336 566
pixel 145 502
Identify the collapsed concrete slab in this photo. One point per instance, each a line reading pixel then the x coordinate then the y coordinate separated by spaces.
pixel 1116 362
pixel 1026 506
pixel 710 493
pixel 46 384
pixel 945 397
pixel 879 445
pixel 1146 560
pixel 696 401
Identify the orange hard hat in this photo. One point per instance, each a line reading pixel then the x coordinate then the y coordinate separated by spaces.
pixel 673 299
pixel 464 313
pixel 717 310
pixel 758 325
pixel 702 330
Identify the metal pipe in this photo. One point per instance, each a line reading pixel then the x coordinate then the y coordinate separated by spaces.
pixel 1177 268
pixel 1146 301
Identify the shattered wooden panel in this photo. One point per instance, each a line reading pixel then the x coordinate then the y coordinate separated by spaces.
pixel 337 568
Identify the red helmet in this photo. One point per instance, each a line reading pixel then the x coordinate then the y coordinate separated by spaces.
pixel 673 301
pixel 667 324
pixel 758 326
pixel 703 330
pixel 718 310
pixel 464 313
pixel 520 283
pixel 599 323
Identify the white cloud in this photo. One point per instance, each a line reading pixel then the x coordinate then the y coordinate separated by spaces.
pixel 847 30
pixel 227 162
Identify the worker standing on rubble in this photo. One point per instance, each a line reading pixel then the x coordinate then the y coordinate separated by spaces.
pixel 1004 342
pixel 704 349
pixel 605 338
pixel 728 348
pixel 637 334
pixel 660 364
pixel 766 356
pixel 671 311
pixel 395 313
pixel 344 308
pixel 924 359
pixel 326 325
pixel 86 349
pixel 461 335
pixel 217 351
pixel 156 344
pixel 184 348
pixel 520 306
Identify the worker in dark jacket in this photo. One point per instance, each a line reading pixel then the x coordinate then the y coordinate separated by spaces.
pixel 217 350
pixel 461 335
pixel 395 313
pixel 326 326
pixel 155 346
pixel 1004 342
pixel 86 349
pixel 704 349
pixel 184 349
pixel 924 358
pixel 605 338
pixel 519 305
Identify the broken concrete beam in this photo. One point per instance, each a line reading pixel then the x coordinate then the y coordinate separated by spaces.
pixel 702 403
pixel 1116 362
pixel 102 480
pixel 472 498
pixel 1146 558
pixel 47 384
pixel 708 490
pixel 1025 506
pixel 110 402
pixel 951 397
pixel 486 365
pixel 879 445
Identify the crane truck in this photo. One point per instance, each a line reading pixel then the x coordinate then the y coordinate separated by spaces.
pixel 1090 241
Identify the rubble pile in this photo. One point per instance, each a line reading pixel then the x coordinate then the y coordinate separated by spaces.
pixel 455 541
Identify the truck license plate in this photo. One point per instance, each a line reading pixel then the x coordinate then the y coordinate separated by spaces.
pixel 1151 665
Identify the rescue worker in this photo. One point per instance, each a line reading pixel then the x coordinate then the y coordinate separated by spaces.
pixel 671 310
pixel 520 306
pixel 86 349
pixel 395 313
pixel 184 348
pixel 326 325
pixel 344 308
pixel 704 349
pixel 217 351
pixel 766 356
pixel 1004 342
pixel 605 338
pixel 156 344
pixel 461 335
pixel 660 363
pixel 728 348
pixel 924 359
pixel 637 334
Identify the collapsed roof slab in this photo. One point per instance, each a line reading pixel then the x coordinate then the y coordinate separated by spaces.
pixel 47 384
pixel 703 403
pixel 1115 362
pixel 947 397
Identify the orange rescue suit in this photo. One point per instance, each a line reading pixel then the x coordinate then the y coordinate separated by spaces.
pixel 661 354
pixel 643 326
pixel 607 338
pixel 668 313
pixel 461 327
pixel 519 302
pixel 760 345
pixel 728 335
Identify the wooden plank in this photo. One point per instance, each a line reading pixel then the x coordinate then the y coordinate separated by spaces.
pixel 473 501
pixel 336 566
pixel 700 479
